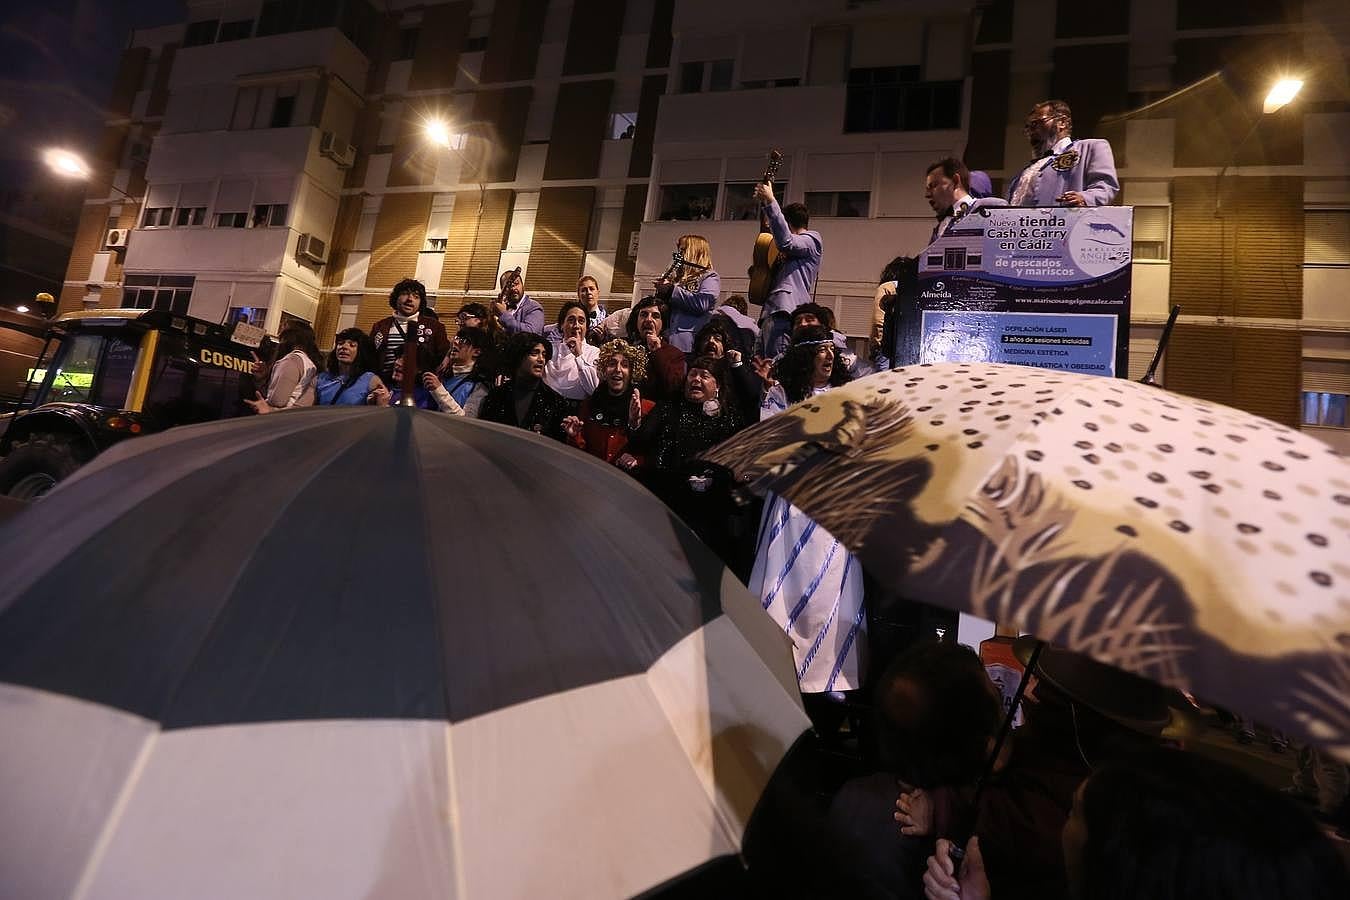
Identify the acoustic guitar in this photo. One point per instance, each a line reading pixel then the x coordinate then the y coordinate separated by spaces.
pixel 765 260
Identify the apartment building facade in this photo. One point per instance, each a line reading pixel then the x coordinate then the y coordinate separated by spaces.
pixel 284 164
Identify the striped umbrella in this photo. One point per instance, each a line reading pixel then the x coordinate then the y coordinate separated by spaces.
pixel 361 652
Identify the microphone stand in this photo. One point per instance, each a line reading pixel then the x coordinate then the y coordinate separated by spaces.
pixel 1162 345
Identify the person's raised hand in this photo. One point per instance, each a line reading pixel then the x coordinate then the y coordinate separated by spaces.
pixel 764 369
pixel 260 405
pixel 574 344
pixel 430 381
pixel 914 812
pixel 733 358
pixel 573 426
pixel 257 368
pixel 635 409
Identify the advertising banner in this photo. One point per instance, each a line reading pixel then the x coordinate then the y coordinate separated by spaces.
pixel 1038 287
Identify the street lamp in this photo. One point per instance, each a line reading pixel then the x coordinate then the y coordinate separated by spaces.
pixel 439 133
pixel 1281 93
pixel 70 164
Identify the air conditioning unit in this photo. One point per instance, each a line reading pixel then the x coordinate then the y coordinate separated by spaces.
pixel 311 249
pixel 116 238
pixel 339 151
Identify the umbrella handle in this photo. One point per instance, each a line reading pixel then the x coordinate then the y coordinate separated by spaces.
pixel 958 850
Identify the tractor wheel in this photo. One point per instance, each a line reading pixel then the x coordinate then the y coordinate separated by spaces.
pixel 33 467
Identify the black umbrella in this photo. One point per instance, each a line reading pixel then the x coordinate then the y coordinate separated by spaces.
pixel 436 657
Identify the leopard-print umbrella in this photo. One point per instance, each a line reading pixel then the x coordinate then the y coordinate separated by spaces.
pixel 1201 546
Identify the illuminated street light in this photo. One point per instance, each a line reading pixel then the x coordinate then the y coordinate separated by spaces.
pixel 64 162
pixel 438 133
pixel 1284 90
pixel 69 164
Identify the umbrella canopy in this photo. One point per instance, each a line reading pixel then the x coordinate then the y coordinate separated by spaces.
pixel 1192 543
pixel 359 652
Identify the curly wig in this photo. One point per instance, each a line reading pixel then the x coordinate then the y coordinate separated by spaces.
pixel 637 358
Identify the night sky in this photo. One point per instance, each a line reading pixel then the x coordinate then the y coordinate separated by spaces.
pixel 58 59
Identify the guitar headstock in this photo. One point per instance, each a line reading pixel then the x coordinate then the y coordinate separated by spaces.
pixel 771 170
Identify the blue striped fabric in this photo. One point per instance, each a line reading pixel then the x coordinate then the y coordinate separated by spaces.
pixel 810 585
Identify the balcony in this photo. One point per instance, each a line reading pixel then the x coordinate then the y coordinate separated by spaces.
pixel 324 48
pixel 203 155
pixel 795 113
pixel 199 251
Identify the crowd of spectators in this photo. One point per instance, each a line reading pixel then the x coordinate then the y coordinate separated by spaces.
pixel 646 388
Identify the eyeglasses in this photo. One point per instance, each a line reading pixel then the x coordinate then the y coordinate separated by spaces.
pixel 1033 124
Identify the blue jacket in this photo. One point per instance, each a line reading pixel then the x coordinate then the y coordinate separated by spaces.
pixel 527 316
pixel 797 268
pixel 691 310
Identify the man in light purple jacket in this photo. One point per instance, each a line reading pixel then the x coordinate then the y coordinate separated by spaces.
pixel 794 278
pixel 517 310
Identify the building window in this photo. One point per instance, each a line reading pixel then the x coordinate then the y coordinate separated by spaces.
pixel 407 43
pixel 158 217
pixel 171 292
pixel 1326 237
pixel 622 126
pixel 253 315
pixel 892 98
pixel 190 215
pixel 691 77
pixel 286 16
pixel 269 215
pixel 771 83
pixel 1152 233
pixel 719 74
pixel 706 75
pixel 231 220
pixel 839 204
pixel 235 31
pixel 1322 408
pixel 199 33
pixel 283 110
pixel 739 203
pixel 687 202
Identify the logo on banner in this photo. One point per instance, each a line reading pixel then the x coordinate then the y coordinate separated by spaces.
pixel 937 292
pixel 1098 247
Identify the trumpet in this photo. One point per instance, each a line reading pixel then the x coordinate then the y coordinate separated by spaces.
pixel 677 265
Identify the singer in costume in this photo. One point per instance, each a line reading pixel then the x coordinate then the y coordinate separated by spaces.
pixel 1066 171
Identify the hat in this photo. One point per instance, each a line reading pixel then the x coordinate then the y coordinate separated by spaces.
pixel 980 184
pixel 1137 703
